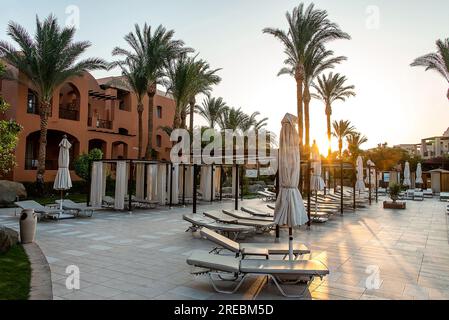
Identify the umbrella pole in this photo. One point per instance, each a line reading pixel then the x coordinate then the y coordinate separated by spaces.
pixel 62 198
pixel 290 243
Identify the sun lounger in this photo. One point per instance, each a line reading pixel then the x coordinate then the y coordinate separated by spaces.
pixel 199 221
pixel 418 196
pixel 78 208
pixel 266 196
pixel 143 203
pixel 428 193
pixel 257 212
pixel 251 249
pixel 230 268
pixel 43 212
pixel 108 202
pixel 447 208
pixel 444 196
pixel 263 226
pixel 245 215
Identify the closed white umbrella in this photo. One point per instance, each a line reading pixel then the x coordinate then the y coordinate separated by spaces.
pixel 360 184
pixel 289 209
pixel 316 181
pixel 62 180
pixel 407 181
pixel 419 174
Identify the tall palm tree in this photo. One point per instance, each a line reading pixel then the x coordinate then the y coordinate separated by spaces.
pixel 355 140
pixel 203 80
pixel 329 89
pixel 180 83
pixel 438 61
pixel 48 60
pixel 135 79
pixel 308 28
pixel 155 50
pixel 317 60
pixel 342 129
pixel 211 110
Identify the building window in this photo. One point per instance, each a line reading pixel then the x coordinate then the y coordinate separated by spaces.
pixel 32 102
pixel 123 98
pixel 159 112
pixel 159 141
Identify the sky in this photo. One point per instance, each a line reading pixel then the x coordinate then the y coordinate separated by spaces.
pixel 395 103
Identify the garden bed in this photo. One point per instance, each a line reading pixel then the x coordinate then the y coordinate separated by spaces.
pixel 394 205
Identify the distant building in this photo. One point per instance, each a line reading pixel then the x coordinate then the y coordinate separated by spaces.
pixel 92 113
pixel 429 148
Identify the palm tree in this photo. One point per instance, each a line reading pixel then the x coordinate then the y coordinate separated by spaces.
pixel 48 60
pixel 180 83
pixel 232 118
pixel 438 61
pixel 342 129
pixel 329 89
pixel 308 29
pixel 134 78
pixel 203 80
pixel 355 140
pixel 155 50
pixel 316 61
pixel 211 110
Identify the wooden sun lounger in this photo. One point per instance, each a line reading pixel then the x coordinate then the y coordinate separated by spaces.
pixel 257 212
pixel 42 211
pixel 245 215
pixel 78 208
pixel 199 221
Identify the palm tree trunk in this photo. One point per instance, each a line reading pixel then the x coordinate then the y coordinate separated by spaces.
pixel 177 120
pixel 140 129
pixel 307 99
pixel 151 94
pixel 42 157
pixel 183 118
pixel 192 112
pixel 329 130
pixel 299 82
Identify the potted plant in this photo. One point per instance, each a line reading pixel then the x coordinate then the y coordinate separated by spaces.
pixel 393 192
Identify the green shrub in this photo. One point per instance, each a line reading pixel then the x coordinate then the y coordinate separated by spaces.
pixel 82 163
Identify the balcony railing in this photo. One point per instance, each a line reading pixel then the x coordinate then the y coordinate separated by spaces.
pixel 68 113
pixel 99 123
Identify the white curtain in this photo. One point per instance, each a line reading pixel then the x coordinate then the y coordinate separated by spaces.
pixel 104 178
pixel 140 181
pixel 205 182
pixel 175 187
pixel 162 184
pixel 121 185
pixel 217 178
pixel 360 184
pixel 407 181
pixel 152 182
pixel 419 174
pixel 189 181
pixel 96 185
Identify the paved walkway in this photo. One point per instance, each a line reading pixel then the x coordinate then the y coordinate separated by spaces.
pixel 371 254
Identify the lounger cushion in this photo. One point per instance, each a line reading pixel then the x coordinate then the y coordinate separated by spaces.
pixel 257 212
pixel 277 248
pixel 245 215
pixel 283 267
pixel 220 240
pixel 216 262
pixel 220 216
pixel 202 221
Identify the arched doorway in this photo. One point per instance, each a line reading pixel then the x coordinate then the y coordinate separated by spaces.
pixel 54 137
pixel 119 150
pixel 98 144
pixel 69 102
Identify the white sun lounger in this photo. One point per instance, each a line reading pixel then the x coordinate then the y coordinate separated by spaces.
pixel 251 249
pixel 263 226
pixel 418 196
pixel 257 212
pixel 266 196
pixel 428 193
pixel 245 215
pixel 199 221
pixel 230 268
pixel 78 208
pixel 43 212
pixel 444 196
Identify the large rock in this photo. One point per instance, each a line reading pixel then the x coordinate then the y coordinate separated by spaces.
pixel 8 238
pixel 10 190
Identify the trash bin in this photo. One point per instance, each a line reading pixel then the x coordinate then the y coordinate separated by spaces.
pixel 28 221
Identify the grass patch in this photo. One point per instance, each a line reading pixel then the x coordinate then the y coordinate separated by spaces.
pixel 15 274
pixel 76 197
